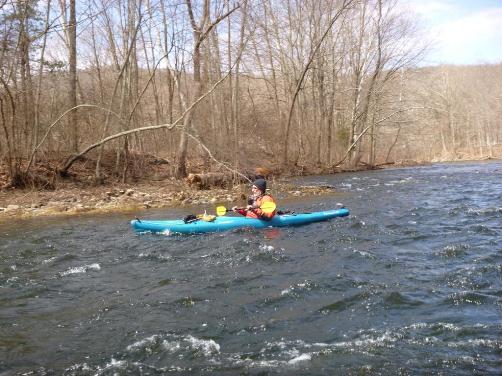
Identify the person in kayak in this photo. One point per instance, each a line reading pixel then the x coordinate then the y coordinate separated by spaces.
pixel 256 200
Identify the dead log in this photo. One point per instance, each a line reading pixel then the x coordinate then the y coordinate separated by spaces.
pixel 210 180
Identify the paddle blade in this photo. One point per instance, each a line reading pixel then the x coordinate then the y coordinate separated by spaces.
pixel 268 207
pixel 221 210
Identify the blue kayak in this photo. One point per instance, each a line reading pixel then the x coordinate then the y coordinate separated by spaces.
pixel 225 223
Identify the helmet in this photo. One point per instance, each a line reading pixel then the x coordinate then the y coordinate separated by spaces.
pixel 261 184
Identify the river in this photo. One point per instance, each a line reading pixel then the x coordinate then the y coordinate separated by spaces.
pixel 409 283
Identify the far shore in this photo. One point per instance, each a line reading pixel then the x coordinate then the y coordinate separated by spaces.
pixel 169 193
pixel 18 204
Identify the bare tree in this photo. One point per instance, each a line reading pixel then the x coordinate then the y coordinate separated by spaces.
pixel 201 30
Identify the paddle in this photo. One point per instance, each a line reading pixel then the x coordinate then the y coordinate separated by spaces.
pixel 266 207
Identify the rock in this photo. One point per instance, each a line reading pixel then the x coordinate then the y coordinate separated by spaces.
pixel 12 207
pixel 317 187
pixel 129 192
pixel 81 208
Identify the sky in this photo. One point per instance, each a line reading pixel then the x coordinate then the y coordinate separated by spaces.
pixel 463 31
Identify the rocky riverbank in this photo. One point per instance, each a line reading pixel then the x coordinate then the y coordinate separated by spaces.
pixel 120 198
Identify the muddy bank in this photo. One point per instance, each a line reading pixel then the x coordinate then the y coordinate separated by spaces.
pixel 123 197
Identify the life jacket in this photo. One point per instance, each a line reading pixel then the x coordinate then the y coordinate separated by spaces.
pixel 258 213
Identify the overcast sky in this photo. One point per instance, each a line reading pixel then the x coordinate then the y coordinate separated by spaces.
pixel 464 31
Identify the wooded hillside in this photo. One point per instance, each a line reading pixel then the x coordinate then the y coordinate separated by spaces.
pixel 293 85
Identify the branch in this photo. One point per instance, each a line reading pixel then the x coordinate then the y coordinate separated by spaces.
pixel 208 151
pixel 213 25
pixel 145 87
pixel 72 159
pixel 57 121
pixel 191 16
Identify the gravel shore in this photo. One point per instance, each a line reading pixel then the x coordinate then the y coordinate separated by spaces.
pixel 122 198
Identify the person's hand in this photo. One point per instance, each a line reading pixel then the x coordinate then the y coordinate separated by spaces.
pixel 234 208
pixel 249 207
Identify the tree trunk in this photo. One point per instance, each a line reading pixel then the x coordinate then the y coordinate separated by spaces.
pixel 72 34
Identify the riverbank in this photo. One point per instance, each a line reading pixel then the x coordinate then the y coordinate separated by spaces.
pixel 70 199
pixel 15 203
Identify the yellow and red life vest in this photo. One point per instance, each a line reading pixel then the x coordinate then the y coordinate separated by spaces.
pixel 257 212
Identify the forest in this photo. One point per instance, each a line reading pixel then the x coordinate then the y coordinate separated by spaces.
pixel 120 87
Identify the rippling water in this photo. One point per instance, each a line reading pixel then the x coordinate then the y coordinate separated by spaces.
pixel 410 283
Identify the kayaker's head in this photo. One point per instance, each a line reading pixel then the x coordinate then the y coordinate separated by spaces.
pixel 260 184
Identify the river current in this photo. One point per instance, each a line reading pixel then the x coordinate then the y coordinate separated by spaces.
pixel 410 283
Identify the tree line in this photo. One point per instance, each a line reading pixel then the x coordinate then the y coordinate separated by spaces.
pixel 300 84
